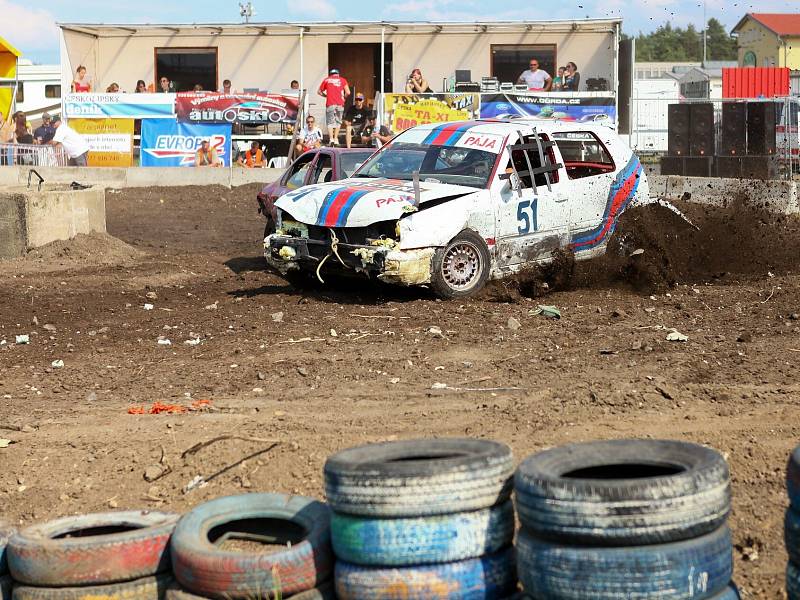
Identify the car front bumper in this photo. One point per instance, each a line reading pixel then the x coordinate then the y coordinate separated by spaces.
pixel 392 265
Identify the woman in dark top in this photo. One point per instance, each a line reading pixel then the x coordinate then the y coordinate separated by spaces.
pixel 572 79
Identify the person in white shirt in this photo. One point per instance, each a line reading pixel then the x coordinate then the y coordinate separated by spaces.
pixel 74 145
pixel 309 136
pixel 535 78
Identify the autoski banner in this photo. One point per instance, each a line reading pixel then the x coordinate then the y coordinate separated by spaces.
pixel 245 108
pixel 172 144
pixel 549 106
pixel 404 111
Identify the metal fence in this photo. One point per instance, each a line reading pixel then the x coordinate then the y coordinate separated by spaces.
pixel 649 127
pixel 32 155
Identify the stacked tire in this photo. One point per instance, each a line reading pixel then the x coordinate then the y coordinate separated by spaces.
pixel 792 526
pixel 422 519
pixel 108 555
pixel 6 531
pixel 625 519
pixel 297 528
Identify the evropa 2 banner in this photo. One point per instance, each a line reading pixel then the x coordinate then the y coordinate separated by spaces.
pixel 245 108
pixel 173 144
pixel 549 106
pixel 119 106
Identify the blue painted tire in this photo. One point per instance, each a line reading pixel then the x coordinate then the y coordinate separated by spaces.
pixel 206 570
pixel 6 531
pixel 623 492
pixel 698 569
pixel 791 534
pixel 422 540
pixel 792 581
pixel 793 478
pixel 414 478
pixel 729 593
pixel 484 578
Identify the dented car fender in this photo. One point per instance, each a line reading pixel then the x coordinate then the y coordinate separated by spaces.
pixel 435 226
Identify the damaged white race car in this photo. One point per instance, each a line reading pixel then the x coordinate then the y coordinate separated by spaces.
pixel 453 205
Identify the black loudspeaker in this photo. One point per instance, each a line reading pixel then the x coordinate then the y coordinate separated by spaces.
pixel 729 167
pixel 672 165
pixel 678 130
pixel 761 138
pixel 733 141
pixel 698 166
pixel 759 167
pixel 701 129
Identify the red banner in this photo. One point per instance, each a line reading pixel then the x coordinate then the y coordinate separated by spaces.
pixel 249 109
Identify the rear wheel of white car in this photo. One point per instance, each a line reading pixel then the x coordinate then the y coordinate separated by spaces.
pixel 462 267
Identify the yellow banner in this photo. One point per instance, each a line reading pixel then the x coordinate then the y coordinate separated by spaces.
pixel 110 141
pixel 404 111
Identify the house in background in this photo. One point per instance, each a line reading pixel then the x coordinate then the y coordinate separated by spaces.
pixel 769 40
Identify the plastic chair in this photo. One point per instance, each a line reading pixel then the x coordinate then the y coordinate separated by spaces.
pixel 277 162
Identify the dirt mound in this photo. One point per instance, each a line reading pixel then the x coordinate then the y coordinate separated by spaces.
pixel 91 248
pixel 654 247
pixel 534 281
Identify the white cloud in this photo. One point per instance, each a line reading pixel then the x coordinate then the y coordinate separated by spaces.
pixel 318 10
pixel 28 28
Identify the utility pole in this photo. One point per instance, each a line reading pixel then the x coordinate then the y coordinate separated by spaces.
pixel 705 34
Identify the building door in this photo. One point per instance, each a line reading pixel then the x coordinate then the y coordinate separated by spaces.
pixel 360 65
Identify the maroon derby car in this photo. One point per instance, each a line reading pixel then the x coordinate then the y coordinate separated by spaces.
pixel 314 166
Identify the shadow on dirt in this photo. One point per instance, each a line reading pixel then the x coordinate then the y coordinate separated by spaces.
pixel 246 264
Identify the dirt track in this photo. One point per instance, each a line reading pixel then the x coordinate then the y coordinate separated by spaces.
pixel 605 370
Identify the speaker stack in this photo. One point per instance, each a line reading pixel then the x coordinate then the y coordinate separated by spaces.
pixel 747 143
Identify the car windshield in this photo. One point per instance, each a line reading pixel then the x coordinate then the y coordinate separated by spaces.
pixel 350 161
pixel 440 164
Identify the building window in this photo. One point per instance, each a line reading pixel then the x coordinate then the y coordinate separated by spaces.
pixel 509 61
pixel 187 67
pixel 20 92
pixel 52 91
pixel 749 59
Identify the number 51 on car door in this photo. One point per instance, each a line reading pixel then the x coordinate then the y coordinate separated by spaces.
pixel 526 216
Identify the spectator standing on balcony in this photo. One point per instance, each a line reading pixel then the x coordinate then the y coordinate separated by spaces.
pixel 295 85
pixel 253 158
pixel 335 90
pixel 113 89
pixel 417 84
pixel 558 80
pixel 206 156
pixel 74 145
pixel 572 79
pixel 21 129
pixel 355 117
pixel 45 132
pixel 308 137
pixel 227 87
pixel 81 83
pixel 165 86
pixel 536 78
pixel 141 87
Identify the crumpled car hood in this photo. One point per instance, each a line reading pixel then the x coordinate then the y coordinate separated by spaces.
pixel 358 202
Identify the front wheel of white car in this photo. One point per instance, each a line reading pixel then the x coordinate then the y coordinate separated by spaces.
pixel 462 267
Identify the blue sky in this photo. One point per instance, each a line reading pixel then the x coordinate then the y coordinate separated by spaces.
pixel 31 25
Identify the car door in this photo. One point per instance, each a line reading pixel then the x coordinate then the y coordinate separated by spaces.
pixel 590 177
pixel 532 216
pixel 298 173
pixel 322 172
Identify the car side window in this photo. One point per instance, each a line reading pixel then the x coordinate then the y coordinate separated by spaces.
pixel 324 169
pixel 518 157
pixel 299 170
pixel 584 154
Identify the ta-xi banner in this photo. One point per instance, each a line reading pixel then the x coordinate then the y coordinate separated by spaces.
pixel 245 108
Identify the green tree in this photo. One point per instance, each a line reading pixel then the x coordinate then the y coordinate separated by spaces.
pixel 720 45
pixel 676 44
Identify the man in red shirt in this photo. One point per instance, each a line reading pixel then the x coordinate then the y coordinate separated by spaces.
pixel 334 89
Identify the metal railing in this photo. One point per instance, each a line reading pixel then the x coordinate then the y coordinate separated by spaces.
pixel 32 155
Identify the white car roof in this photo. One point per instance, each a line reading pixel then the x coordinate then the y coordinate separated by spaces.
pixel 507 126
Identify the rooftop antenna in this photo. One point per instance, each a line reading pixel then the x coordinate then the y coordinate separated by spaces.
pixel 246 11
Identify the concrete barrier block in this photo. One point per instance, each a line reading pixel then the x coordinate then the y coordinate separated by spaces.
pixel 775 196
pixel 9 176
pixel 12 225
pixel 176 176
pixel 63 214
pixel 96 176
pixel 245 176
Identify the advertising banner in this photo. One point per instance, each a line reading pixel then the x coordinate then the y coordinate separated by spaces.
pixel 249 109
pixel 403 111
pixel 173 144
pixel 119 106
pixel 548 106
pixel 110 141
